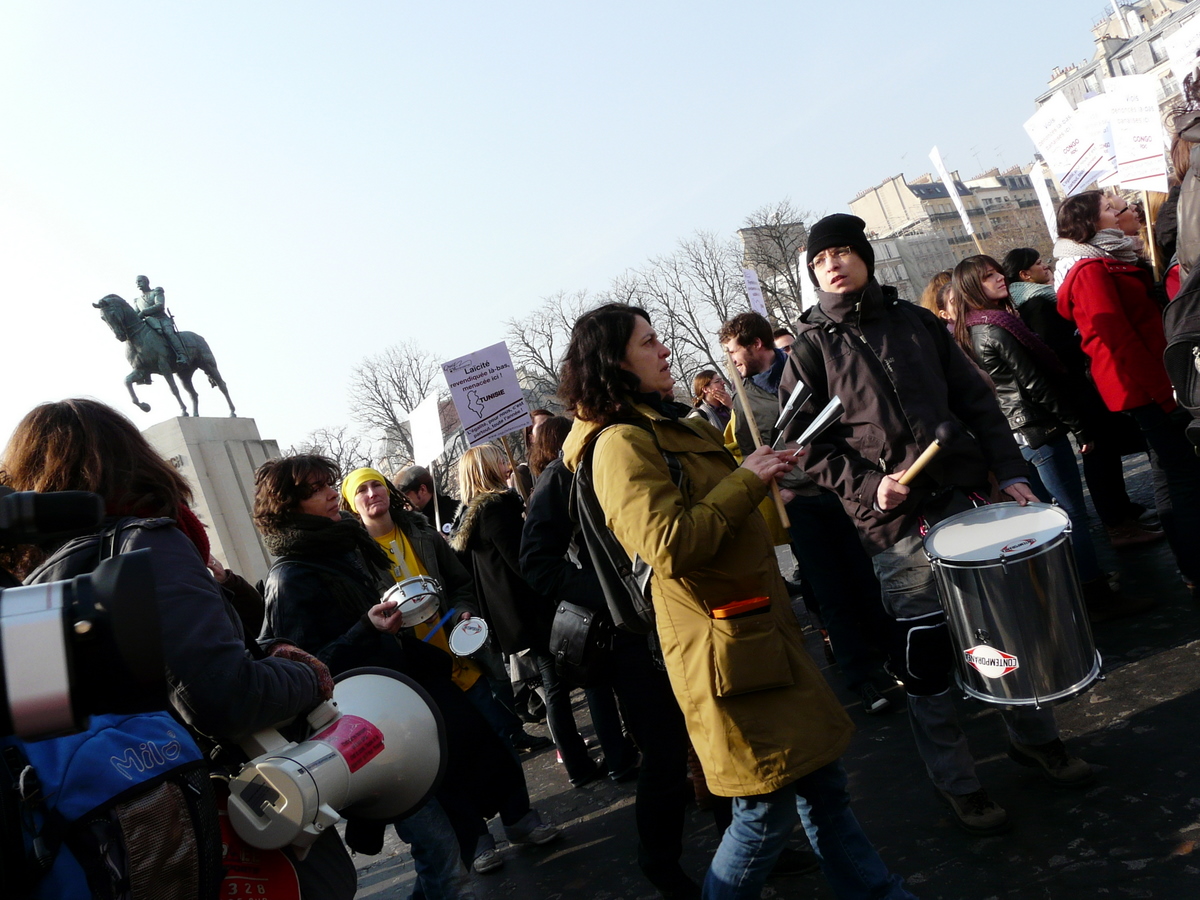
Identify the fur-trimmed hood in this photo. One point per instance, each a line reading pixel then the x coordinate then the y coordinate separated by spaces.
pixel 489 500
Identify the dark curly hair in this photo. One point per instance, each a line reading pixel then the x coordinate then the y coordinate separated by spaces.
pixel 592 383
pixel 745 329
pixel 281 485
pixel 1079 216
pixel 1019 260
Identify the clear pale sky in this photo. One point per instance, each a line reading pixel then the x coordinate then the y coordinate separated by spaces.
pixel 311 182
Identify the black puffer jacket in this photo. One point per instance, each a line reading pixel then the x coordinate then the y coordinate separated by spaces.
pixel 490 539
pixel 1032 400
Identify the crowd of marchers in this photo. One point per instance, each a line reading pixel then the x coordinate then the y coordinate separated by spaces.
pixel 1050 374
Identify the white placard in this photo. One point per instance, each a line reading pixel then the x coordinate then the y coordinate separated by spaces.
pixel 754 292
pixel 485 391
pixel 951 189
pixel 1073 154
pixel 425 427
pixel 1094 116
pixel 1137 132
pixel 1183 50
pixel 1038 176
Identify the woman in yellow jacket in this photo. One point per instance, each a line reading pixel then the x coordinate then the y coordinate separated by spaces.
pixel 767 728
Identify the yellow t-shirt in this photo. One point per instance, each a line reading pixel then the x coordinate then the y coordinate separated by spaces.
pixel 406 564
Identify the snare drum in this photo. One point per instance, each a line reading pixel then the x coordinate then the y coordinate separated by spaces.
pixel 468 636
pixel 1007 581
pixel 419 598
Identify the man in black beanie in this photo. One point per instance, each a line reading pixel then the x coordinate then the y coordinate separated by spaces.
pixel 899 374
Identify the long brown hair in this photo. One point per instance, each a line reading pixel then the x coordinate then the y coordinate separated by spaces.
pixel 592 384
pixel 547 441
pixel 967 284
pixel 84 445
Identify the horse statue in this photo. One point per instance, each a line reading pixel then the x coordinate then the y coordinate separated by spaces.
pixel 149 355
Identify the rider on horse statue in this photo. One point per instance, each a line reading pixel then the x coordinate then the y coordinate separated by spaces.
pixel 152 307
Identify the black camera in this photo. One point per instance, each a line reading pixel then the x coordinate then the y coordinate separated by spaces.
pixel 73 648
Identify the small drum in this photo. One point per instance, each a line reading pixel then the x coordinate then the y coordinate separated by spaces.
pixel 1007 581
pixel 419 598
pixel 468 636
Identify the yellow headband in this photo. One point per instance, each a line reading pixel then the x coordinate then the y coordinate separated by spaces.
pixel 356 479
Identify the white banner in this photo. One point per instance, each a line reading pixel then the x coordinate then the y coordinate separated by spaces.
pixel 485 391
pixel 1183 49
pixel 1038 176
pixel 425 427
pixel 808 292
pixel 754 292
pixel 1095 118
pixel 1137 132
pixel 951 189
pixel 1073 153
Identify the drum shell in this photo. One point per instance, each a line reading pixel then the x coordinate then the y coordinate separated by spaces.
pixel 1031 608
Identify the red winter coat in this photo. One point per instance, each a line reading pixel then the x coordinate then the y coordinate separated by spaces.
pixel 1121 329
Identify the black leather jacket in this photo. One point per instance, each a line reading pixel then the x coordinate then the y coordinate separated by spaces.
pixel 1031 399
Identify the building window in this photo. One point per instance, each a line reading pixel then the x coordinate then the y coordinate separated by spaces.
pixel 1091 84
pixel 1157 51
pixel 1127 66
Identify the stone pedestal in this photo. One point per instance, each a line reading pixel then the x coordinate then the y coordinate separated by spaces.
pixel 218 458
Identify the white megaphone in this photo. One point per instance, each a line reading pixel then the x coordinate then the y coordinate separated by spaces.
pixel 376 751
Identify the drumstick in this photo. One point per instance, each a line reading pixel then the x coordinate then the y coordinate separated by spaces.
pixel 946 433
pixel 736 377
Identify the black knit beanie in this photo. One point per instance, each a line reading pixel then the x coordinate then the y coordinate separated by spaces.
pixel 839 230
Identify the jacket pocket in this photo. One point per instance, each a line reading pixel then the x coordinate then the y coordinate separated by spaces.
pixel 749 654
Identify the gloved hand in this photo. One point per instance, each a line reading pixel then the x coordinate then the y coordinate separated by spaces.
pixel 291 651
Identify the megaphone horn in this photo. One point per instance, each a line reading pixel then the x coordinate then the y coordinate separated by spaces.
pixel 377 751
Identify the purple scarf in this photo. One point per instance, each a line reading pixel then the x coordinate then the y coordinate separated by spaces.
pixel 1042 354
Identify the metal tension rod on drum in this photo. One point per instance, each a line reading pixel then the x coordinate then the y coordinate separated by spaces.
pixel 946 433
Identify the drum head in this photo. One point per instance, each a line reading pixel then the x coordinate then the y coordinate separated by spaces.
pixel 992 533
pixel 468 636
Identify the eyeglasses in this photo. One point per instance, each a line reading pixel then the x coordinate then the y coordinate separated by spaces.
pixel 826 257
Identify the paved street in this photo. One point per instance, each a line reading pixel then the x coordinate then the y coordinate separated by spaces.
pixel 1132 834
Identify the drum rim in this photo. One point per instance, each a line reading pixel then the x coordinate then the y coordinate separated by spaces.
pixel 1086 683
pixel 450 637
pixel 1035 550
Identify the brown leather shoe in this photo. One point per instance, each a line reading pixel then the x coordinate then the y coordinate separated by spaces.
pixel 1132 534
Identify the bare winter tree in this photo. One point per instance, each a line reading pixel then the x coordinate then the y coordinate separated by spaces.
pixel 773 241
pixel 688 295
pixel 346 448
pixel 387 387
pixel 537 341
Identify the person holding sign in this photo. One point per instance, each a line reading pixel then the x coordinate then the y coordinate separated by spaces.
pixel 768 730
pixel 901 378
pixel 1107 295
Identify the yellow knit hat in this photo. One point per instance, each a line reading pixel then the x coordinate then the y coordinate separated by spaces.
pixel 356 479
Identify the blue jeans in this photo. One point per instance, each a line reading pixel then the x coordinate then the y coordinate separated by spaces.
pixel 1175 470
pixel 441 874
pixel 762 825
pixel 1059 472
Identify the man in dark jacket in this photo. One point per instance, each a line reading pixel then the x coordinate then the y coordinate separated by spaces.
pixel 836 572
pixel 416 483
pixel 899 375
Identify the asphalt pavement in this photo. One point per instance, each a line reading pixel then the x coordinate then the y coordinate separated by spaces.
pixel 1133 833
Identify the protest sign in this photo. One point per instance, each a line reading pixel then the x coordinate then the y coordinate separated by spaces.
pixel 754 292
pixel 1038 176
pixel 1183 50
pixel 951 189
pixel 485 391
pixel 1095 118
pixel 808 292
pixel 1074 155
pixel 425 427
pixel 1137 132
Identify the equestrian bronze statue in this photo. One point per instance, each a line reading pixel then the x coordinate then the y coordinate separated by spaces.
pixel 154 347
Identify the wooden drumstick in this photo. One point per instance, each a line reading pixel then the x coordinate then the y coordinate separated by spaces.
pixel 736 377
pixel 946 433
